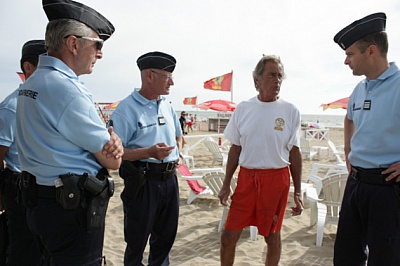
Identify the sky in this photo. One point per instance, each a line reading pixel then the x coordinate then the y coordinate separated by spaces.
pixel 210 38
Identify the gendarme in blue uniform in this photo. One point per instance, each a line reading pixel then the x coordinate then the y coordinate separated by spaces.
pixel 368 228
pixel 151 193
pixel 64 121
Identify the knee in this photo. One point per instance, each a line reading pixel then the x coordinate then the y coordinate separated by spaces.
pixel 273 239
pixel 228 239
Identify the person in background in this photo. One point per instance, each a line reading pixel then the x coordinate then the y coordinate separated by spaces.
pixel 369 220
pixel 22 248
pixel 195 122
pixel 188 122
pixel 264 132
pixel 182 121
pixel 64 148
pixel 152 138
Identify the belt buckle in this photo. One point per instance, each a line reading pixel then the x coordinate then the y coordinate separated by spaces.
pixel 353 173
pixel 170 166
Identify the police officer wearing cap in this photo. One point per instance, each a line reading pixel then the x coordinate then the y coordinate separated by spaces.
pixel 64 147
pixel 22 248
pixel 369 221
pixel 152 138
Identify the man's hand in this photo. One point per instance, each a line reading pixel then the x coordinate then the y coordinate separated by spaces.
pixel 298 200
pixel 394 171
pixel 223 194
pixel 113 148
pixel 161 150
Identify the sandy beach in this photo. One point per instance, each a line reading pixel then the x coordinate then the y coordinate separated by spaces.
pixel 197 241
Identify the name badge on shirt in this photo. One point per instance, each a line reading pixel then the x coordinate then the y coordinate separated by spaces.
pixel 367 105
pixel 161 121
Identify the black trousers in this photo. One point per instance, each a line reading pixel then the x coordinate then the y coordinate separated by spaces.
pixel 154 213
pixel 3 239
pixel 61 235
pixel 369 226
pixel 22 249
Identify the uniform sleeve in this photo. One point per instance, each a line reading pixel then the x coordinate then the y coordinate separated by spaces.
pixel 81 125
pixel 7 118
pixel 122 128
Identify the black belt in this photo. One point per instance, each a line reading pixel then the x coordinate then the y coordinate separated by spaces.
pixel 46 191
pixel 169 166
pixel 157 171
pixel 371 176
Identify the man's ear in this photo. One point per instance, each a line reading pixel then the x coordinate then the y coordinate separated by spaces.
pixel 72 44
pixel 372 50
pixel 28 68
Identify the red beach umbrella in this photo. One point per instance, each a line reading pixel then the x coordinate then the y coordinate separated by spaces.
pixel 217 105
pixel 341 103
pixel 111 106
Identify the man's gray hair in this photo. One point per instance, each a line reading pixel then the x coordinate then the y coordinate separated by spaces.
pixel 257 73
pixel 58 29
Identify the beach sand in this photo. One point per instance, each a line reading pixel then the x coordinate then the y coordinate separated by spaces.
pixel 197 241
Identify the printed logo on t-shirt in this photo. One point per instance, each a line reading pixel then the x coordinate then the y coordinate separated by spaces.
pixel 280 123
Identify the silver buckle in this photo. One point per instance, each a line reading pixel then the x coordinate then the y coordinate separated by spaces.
pixel 170 166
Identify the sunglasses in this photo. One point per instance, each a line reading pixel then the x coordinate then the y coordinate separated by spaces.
pixel 99 42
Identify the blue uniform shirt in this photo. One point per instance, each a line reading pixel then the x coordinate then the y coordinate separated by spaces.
pixel 374 109
pixel 7 130
pixel 58 128
pixel 141 123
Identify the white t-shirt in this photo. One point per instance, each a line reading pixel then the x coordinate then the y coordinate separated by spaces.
pixel 266 131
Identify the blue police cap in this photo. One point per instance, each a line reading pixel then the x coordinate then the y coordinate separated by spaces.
pixel 157 60
pixel 33 48
pixel 360 28
pixel 58 9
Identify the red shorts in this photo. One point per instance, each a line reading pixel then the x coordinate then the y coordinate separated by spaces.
pixel 260 199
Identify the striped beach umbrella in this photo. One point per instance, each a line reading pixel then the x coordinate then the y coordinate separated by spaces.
pixel 341 103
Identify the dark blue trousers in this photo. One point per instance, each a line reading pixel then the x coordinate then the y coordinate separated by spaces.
pixel 369 226
pixel 22 249
pixel 61 235
pixel 153 213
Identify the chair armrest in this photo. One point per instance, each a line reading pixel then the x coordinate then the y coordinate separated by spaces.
pixel 206 170
pixel 311 194
pixel 192 177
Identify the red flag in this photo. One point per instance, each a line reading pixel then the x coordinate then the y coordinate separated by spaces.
pixel 190 100
pixel 21 76
pixel 221 83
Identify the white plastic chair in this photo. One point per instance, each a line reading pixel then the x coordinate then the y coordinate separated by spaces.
pixel 219 155
pixel 215 181
pixel 325 210
pixel 306 149
pixel 338 155
pixel 321 171
pixel 192 176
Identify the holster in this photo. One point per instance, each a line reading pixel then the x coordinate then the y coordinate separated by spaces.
pixel 91 192
pixel 97 206
pixel 134 179
pixel 69 194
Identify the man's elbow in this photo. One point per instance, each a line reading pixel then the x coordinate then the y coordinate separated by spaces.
pixel 113 164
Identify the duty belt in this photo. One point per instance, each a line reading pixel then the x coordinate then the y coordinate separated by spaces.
pixel 169 166
pixel 157 171
pixel 371 176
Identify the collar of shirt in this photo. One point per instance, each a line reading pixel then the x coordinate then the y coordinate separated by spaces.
pixel 53 62
pixel 142 100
